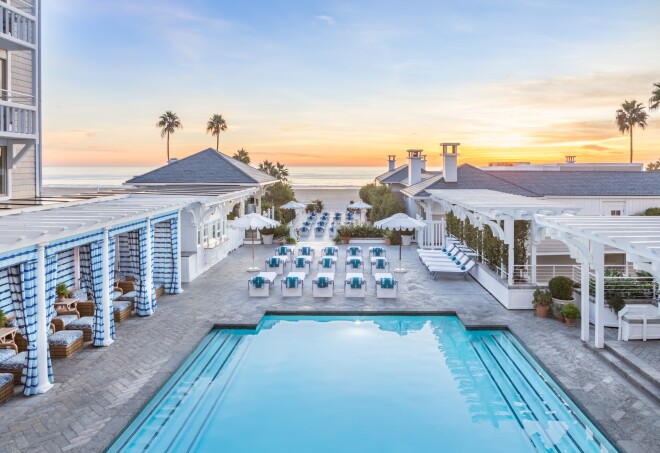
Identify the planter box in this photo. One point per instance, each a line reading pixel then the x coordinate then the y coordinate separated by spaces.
pixel 268 239
pixel 406 239
pixel 367 241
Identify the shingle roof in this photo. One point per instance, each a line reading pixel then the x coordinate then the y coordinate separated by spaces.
pixel 205 167
pixel 400 175
pixel 547 183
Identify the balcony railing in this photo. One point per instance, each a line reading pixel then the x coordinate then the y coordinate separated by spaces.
pixel 18 25
pixel 17 119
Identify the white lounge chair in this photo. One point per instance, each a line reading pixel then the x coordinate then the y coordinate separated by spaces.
pixel 302 264
pixel 323 285
pixel 260 285
pixel 380 264
pixel 386 285
pixel 452 269
pixel 354 263
pixel 330 250
pixel 353 251
pixel 375 252
pixel 639 322
pixel 355 285
pixel 277 264
pixel 306 251
pixel 284 250
pixel 328 264
pixel 460 259
pixel 292 284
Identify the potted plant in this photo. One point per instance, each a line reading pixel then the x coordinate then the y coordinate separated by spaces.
pixel 3 318
pixel 406 237
pixel 571 313
pixel 291 240
pixel 542 302
pixel 616 302
pixel 267 235
pixel 561 289
pixel 62 291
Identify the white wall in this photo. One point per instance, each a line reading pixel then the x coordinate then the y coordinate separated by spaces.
pixel 599 205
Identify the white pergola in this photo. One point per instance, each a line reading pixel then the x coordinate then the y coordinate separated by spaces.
pixel 586 237
pixel 489 207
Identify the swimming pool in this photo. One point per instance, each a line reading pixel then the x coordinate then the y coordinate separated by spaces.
pixel 360 383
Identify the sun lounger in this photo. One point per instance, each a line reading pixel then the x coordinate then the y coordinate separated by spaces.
pixel 461 258
pixel 355 285
pixel 323 285
pixel 451 269
pixel 354 262
pixel 292 284
pixel 379 264
pixel 328 263
pixel 377 252
pixel 353 250
pixel 330 250
pixel 386 286
pixel 276 264
pixel 6 386
pixel 306 251
pixel 302 264
pixel 260 285
pixel 284 250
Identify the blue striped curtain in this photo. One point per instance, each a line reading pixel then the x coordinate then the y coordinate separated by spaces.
pixel 166 258
pixel 154 302
pixel 97 289
pixel 133 238
pixel 85 256
pixel 112 246
pixel 143 296
pixel 26 318
pixel 51 283
pixel 66 266
pixel 175 284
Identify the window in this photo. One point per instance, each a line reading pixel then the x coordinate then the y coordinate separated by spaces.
pixel 4 172
pixel 615 212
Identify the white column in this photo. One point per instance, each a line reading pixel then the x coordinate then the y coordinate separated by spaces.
pixel 598 257
pixel 509 240
pixel 149 281
pixel 42 329
pixel 178 251
pixel 241 212
pixel 584 301
pixel 443 230
pixel 532 251
pixel 105 301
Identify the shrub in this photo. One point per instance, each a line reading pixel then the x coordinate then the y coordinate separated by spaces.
pixel 561 288
pixel 61 289
pixel 266 231
pixel 570 311
pixel 652 212
pixel 291 240
pixel 616 302
pixel 3 318
pixel 360 231
pixel 542 297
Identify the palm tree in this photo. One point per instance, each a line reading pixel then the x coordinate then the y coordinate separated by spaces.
pixel 282 173
pixel 631 114
pixel 654 102
pixel 242 156
pixel 215 125
pixel 168 123
pixel 267 167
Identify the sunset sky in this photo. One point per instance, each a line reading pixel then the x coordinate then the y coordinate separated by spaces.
pixel 347 82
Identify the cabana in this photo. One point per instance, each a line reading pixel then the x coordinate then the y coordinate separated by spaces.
pixel 32 241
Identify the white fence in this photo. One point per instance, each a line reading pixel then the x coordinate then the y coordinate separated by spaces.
pixel 430 237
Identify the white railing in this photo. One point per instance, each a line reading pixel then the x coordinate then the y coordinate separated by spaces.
pixel 17 118
pixel 18 24
pixel 430 236
pixel 17 97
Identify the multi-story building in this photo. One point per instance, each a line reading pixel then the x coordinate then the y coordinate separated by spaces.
pixel 20 99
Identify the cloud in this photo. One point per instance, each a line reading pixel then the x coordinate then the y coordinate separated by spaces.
pixel 329 20
pixel 595 147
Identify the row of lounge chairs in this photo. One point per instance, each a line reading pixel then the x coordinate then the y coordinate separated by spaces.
pixel 452 260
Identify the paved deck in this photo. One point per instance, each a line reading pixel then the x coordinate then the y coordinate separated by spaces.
pixel 99 390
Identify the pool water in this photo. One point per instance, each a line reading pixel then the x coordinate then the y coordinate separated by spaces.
pixel 379 383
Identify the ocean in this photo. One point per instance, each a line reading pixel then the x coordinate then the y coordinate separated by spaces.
pixel 301 177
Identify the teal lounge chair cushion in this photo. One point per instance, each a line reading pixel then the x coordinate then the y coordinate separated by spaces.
pixel 322 282
pixel 356 282
pixel 380 264
pixel 306 251
pixel 387 283
pixel 355 263
pixel 291 282
pixel 274 262
pixel 326 263
pixel 300 262
pixel 258 282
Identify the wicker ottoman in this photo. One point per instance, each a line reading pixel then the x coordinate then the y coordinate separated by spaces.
pixel 86 308
pixel 60 322
pixel 14 365
pixel 86 324
pixel 122 310
pixel 6 386
pixel 65 343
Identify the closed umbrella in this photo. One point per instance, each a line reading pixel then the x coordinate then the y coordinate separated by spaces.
pixel 399 222
pixel 253 222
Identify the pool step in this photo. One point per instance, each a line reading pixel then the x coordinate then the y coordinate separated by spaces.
pixel 632 372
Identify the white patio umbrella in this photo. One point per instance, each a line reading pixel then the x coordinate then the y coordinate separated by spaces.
pixel 362 206
pixel 292 205
pixel 253 222
pixel 399 222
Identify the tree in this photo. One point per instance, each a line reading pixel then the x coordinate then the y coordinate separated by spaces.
pixel 654 102
pixel 276 195
pixel 631 114
pixel 215 125
pixel 267 167
pixel 242 156
pixel 168 123
pixel 653 166
pixel 384 203
pixel 277 170
pixel 282 172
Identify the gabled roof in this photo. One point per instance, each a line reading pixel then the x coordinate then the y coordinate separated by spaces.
pixel 400 175
pixel 469 177
pixel 205 167
pixel 547 184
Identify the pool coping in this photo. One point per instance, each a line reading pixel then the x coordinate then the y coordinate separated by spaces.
pixel 311 313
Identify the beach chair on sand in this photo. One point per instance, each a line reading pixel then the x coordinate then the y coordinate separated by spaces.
pixel 386 286
pixel 355 285
pixel 260 285
pixel 323 285
pixel 276 264
pixel 379 264
pixel 292 284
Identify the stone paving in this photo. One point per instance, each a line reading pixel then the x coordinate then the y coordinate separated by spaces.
pixel 99 390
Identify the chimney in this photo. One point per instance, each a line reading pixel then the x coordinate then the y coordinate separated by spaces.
pixel 424 162
pixel 391 160
pixel 415 165
pixel 172 160
pixel 570 159
pixel 450 161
